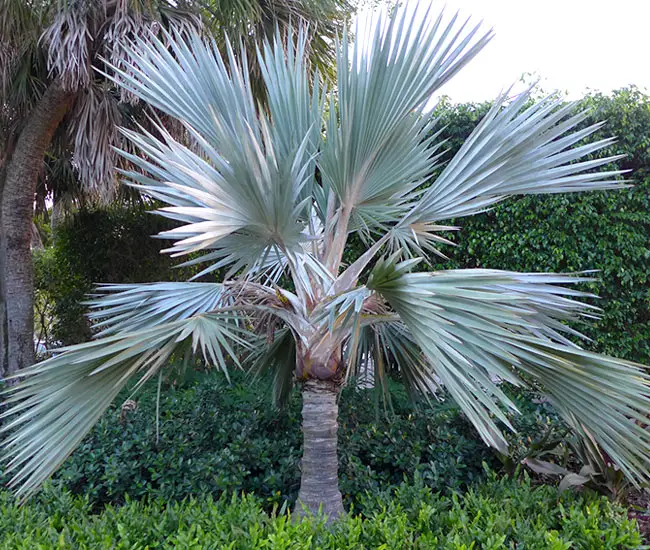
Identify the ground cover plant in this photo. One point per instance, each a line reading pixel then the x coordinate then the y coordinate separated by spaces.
pixel 493 515
pixel 278 190
pixel 213 436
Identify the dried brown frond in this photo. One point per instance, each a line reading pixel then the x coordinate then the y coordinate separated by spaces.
pixel 375 305
pixel 68 41
pixel 96 119
pixel 125 25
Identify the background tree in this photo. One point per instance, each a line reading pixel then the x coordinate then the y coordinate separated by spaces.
pixel 48 49
pixel 248 23
pixel 47 53
pixel 279 191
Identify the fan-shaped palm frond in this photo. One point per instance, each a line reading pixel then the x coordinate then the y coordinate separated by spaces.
pixel 63 397
pixel 477 327
pixel 127 307
pixel 190 80
pixel 247 197
pixel 295 103
pixel 515 150
pixel 378 147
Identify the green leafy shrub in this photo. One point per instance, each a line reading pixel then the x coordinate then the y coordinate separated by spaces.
pixel 494 515
pixel 96 246
pixel 216 437
pixel 59 291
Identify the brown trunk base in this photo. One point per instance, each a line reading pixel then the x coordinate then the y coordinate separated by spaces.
pixel 319 484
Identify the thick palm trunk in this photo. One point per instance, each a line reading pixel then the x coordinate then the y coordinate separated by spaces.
pixel 22 171
pixel 4 345
pixel 319 485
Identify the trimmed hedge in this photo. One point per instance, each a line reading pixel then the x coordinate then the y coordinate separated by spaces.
pixel 497 514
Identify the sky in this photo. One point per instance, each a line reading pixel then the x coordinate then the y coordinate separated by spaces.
pixel 569 45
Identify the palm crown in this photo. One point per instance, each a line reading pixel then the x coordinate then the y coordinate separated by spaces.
pixel 272 193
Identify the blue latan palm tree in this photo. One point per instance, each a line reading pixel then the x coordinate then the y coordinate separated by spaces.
pixel 276 191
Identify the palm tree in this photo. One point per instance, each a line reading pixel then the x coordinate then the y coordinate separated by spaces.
pixel 51 100
pixel 49 92
pixel 273 193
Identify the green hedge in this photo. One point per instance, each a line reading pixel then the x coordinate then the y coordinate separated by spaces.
pixel 607 231
pixel 497 514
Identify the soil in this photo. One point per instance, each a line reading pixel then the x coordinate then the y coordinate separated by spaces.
pixel 639 509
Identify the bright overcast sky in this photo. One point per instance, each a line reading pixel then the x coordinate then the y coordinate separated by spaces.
pixel 571 45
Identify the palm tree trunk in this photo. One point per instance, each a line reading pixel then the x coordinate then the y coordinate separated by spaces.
pixel 19 186
pixel 4 345
pixel 319 484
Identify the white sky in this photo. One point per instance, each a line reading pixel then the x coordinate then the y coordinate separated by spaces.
pixel 571 45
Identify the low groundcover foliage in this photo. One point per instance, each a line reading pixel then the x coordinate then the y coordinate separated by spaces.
pixel 497 514
pixel 216 437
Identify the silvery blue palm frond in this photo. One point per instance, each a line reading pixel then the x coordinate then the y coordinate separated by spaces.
pixel 119 308
pixel 247 180
pixel 519 148
pixel 378 147
pixel 477 327
pixel 64 396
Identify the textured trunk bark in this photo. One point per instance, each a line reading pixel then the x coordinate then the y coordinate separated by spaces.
pixel 4 349
pixel 22 171
pixel 57 216
pixel 319 484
